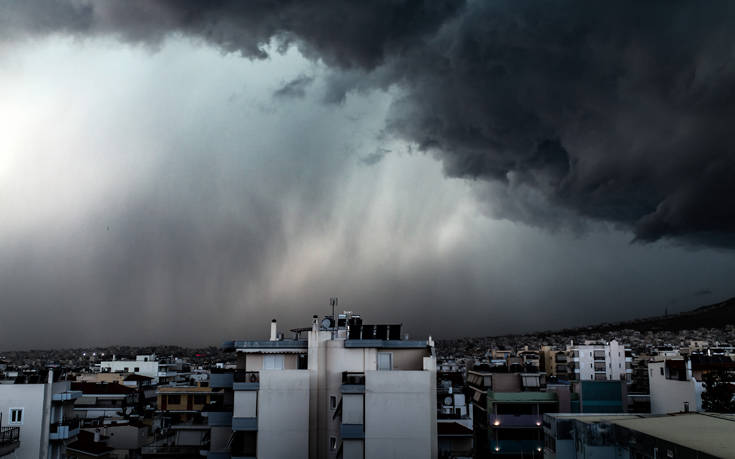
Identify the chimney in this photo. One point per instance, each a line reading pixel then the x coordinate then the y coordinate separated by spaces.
pixel 274 335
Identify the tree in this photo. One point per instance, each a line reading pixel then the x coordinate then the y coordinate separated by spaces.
pixel 719 390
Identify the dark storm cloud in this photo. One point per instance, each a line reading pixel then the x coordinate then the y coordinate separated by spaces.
pixel 619 111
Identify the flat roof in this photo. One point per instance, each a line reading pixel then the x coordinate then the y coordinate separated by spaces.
pixel 386 344
pixel 521 397
pixel 708 433
pixel 263 344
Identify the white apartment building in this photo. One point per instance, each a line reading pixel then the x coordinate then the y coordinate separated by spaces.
pixel 348 390
pixel 43 413
pixel 672 386
pixel 145 365
pixel 600 361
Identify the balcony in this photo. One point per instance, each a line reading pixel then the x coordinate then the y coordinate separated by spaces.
pixel 221 380
pixel 352 431
pixel 66 396
pixel 9 439
pixel 246 380
pixel 515 420
pixel 64 430
pixel 218 418
pixel 353 382
pixel 244 424
pixel 529 447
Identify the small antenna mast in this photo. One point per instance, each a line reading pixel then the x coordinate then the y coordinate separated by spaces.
pixel 333 302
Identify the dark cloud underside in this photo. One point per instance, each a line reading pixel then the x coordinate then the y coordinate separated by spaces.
pixel 619 112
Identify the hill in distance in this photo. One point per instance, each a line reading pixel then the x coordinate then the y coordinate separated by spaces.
pixel 716 315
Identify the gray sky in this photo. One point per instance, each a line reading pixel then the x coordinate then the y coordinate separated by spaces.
pixel 160 184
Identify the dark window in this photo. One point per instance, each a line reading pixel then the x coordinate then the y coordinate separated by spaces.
pixel 303 362
pixel 200 399
pixel 174 399
pixel 332 402
pixel 136 369
pixel 662 371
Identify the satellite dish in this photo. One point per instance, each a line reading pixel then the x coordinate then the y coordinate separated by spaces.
pixel 447 400
pixel 327 323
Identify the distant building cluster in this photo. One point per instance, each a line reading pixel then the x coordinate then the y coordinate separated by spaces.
pixel 345 389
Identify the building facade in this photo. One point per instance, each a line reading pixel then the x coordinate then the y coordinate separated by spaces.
pixel 348 390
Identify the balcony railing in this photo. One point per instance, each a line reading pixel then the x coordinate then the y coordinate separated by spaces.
pixel 242 376
pixel 9 435
pixel 68 428
pixel 515 420
pixel 529 447
pixel 353 377
pixel 353 382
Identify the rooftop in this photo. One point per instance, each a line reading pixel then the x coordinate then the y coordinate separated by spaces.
pixel 704 432
pixel 522 397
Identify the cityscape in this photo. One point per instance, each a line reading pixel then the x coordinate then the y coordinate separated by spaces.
pixel 347 388
pixel 379 229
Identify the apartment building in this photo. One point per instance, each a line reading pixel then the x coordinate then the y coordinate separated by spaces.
pixel 508 408
pixel 676 384
pixel 347 390
pixel 39 415
pixel 145 365
pixel 600 361
pixel 104 400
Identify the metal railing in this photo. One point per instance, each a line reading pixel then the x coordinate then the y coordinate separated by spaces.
pixel 242 376
pixel 71 423
pixel 9 434
pixel 353 377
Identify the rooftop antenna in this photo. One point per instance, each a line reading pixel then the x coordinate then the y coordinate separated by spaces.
pixel 333 302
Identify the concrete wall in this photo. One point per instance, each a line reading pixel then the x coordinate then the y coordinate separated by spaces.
pixel 353 449
pixel 30 397
pixel 352 409
pixel 246 404
pixel 667 395
pixel 400 418
pixel 283 414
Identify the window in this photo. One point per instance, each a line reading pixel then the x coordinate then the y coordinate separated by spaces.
pixel 200 399
pixel 273 362
pixel 333 443
pixel 662 371
pixel 385 361
pixel 333 402
pixel 16 416
pixel 136 369
pixel 174 399
pixel 126 369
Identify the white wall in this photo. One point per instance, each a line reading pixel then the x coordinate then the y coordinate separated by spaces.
pixel 283 414
pixel 30 397
pixel 149 369
pixel 352 449
pixel 400 420
pixel 668 395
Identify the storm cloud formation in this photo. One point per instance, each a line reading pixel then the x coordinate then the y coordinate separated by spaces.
pixel 158 187
pixel 619 112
